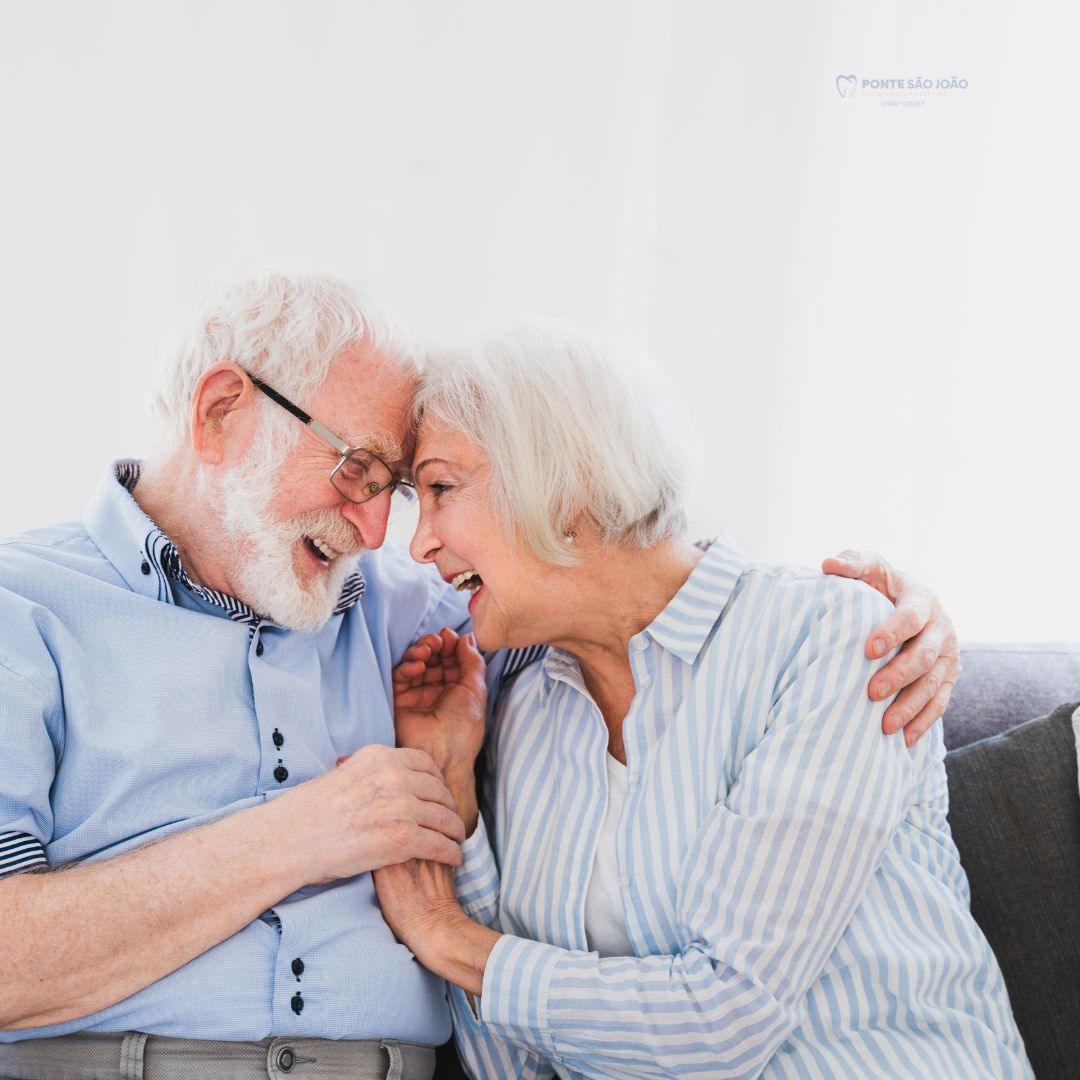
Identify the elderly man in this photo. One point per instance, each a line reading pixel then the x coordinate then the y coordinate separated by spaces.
pixel 179 674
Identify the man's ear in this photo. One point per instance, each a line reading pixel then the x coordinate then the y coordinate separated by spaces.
pixel 222 413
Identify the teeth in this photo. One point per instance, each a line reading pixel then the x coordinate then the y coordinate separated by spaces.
pixel 467 579
pixel 328 552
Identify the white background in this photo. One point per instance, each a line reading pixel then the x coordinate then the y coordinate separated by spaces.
pixel 871 307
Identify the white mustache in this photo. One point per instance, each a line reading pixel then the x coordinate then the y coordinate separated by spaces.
pixel 329 528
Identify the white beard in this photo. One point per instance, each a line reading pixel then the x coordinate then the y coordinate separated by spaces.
pixel 265 550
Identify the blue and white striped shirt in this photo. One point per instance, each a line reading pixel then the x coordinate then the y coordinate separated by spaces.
pixel 793 897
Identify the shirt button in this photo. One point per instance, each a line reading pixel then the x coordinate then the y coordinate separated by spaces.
pixel 279 739
pixel 145 568
pixel 286 1058
pixel 259 648
pixel 640 644
pixel 645 682
pixel 281 774
pixel 298 967
pixel 624 881
pixel 297 1003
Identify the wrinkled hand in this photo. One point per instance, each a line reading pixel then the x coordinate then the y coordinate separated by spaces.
pixel 927 667
pixel 418 902
pixel 379 806
pixel 440 698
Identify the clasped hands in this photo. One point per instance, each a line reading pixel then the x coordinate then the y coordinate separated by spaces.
pixel 440 700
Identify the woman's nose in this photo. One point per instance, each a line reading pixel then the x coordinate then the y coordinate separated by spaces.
pixel 424 545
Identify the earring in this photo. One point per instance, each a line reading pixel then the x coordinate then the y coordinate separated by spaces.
pixel 569 536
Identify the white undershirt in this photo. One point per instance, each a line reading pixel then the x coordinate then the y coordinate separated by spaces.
pixel 605 923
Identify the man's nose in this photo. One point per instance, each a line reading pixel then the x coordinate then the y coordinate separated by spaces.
pixel 369 519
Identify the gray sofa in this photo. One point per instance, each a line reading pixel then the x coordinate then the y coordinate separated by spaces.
pixel 1015 817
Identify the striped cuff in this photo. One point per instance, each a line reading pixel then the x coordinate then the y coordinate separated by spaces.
pixel 515 990
pixel 20 851
pixel 477 878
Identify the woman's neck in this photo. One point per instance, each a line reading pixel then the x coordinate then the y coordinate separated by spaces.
pixel 618 592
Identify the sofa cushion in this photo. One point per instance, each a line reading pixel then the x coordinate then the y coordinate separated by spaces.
pixel 1005 685
pixel 1015 817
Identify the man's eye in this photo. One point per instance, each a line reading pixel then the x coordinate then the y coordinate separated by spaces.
pixel 355 469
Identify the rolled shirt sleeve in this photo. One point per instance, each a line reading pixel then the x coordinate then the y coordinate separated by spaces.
pixel 29 726
pixel 477 878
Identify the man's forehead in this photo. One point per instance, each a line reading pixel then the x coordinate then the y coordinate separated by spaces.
pixel 368 397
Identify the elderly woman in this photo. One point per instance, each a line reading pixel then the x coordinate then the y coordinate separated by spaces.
pixel 699 853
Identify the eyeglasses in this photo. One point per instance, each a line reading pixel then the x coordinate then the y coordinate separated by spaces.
pixel 359 475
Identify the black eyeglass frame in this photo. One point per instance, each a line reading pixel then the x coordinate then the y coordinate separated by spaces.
pixel 396 483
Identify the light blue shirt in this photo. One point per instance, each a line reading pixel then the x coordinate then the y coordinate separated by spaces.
pixel 791 892
pixel 131 708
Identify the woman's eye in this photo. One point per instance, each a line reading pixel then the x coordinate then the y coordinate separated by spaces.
pixel 438 489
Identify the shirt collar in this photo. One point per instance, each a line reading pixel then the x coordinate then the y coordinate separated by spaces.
pixel 684 625
pixel 145 557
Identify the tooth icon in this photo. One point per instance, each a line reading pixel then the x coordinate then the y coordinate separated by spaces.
pixel 845 85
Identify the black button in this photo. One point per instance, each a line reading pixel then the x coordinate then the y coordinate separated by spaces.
pixel 286 1058
pixel 297 1004
pixel 281 774
pixel 298 967
pixel 259 648
pixel 279 739
pixel 145 568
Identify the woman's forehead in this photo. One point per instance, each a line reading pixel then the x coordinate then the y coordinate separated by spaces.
pixel 438 441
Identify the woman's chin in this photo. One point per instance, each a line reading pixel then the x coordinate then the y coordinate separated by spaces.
pixel 487 642
pixel 489 637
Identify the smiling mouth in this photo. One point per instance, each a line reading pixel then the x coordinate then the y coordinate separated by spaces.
pixel 467 581
pixel 320 551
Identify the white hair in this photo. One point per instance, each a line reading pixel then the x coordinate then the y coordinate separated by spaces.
pixel 286 327
pixel 574 424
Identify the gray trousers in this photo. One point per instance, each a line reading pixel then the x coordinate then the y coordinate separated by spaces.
pixel 135 1056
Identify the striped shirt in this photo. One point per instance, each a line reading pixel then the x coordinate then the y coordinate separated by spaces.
pixel 792 894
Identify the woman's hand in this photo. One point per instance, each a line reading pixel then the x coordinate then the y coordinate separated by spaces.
pixel 419 904
pixel 927 667
pixel 440 699
pixel 417 900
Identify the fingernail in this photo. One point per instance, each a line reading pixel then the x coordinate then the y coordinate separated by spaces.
pixel 841 558
pixel 877 647
pixel 882 689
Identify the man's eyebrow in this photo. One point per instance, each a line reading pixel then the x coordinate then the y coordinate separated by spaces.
pixel 390 450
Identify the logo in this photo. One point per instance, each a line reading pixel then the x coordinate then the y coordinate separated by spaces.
pixel 916 90
pixel 845 85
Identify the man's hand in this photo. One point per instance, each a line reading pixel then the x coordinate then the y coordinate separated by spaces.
pixel 927 667
pixel 91 935
pixel 439 702
pixel 381 805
